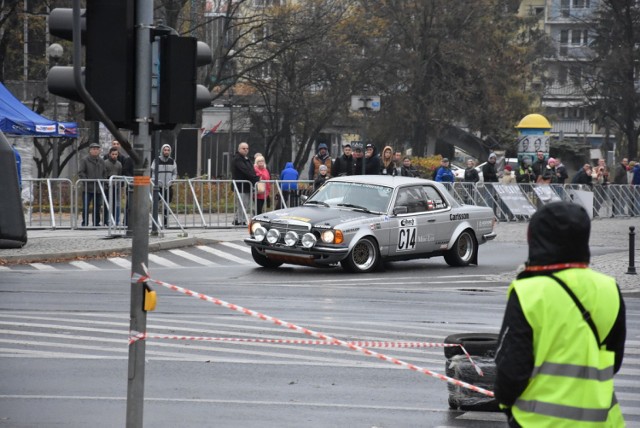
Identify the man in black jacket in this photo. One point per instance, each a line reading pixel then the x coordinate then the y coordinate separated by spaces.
pixel 527 371
pixel 246 177
pixel 343 164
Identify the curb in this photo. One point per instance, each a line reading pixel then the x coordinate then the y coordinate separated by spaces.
pixel 126 250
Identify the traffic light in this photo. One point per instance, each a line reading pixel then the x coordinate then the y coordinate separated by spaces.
pixel 109 74
pixel 110 71
pixel 179 96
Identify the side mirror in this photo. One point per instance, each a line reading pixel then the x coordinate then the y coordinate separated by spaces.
pixel 304 198
pixel 400 209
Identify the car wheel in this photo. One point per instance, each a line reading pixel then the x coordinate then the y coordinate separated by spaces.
pixel 464 250
pixel 263 260
pixel 364 257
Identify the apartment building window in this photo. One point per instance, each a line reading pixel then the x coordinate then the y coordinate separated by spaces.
pixel 580 4
pixel 565 8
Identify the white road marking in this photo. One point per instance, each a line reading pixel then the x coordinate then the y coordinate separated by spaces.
pixel 120 262
pixel 484 416
pixel 242 248
pixel 162 261
pixel 42 266
pixel 193 258
pixel 84 265
pixel 224 255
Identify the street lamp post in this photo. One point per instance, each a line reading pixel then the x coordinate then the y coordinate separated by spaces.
pixel 54 52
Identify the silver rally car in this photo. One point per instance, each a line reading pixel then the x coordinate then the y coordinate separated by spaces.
pixel 360 221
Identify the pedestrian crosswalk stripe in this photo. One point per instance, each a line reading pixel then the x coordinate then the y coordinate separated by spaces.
pixel 162 261
pixel 223 255
pixel 243 248
pixel 83 265
pixel 120 262
pixel 4 268
pixel 42 266
pixel 193 258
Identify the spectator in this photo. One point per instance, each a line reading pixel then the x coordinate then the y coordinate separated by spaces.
pixel 489 173
pixel 92 168
pixel 372 164
pixel 561 172
pixel 167 172
pixel 242 173
pixel 343 164
pixel 321 158
pixel 127 170
pixel 397 161
pixel 619 194
pixel 508 177
pixel 388 167
pixel 262 189
pixel 407 169
pixel 583 176
pixel 539 165
pixel 321 178
pixel 471 173
pixel 444 173
pixel 548 175
pixel 357 158
pixel 636 175
pixel 600 180
pixel 16 154
pixel 551 373
pixel 112 167
pixel 632 165
pixel 525 172
pixel 289 176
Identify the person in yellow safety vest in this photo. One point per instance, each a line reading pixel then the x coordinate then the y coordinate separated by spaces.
pixel 563 334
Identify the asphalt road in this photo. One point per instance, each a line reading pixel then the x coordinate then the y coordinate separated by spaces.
pixel 63 343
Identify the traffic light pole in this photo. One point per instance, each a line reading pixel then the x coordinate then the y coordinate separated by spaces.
pixel 140 213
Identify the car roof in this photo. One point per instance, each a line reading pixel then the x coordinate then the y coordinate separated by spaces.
pixel 382 180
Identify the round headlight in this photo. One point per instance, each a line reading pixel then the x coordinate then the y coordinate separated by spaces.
pixel 255 225
pixel 327 236
pixel 259 233
pixel 308 240
pixel 273 235
pixel 290 238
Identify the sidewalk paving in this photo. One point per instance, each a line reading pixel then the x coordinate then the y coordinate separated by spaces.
pixel 48 246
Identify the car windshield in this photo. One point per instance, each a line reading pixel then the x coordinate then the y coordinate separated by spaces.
pixel 367 197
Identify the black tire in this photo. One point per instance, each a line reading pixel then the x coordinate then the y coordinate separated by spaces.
pixel 364 257
pixel 263 260
pixel 464 250
pixel 465 399
pixel 478 344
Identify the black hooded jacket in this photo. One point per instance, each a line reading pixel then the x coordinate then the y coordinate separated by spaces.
pixel 558 233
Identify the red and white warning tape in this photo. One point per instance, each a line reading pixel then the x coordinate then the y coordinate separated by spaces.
pixel 135 336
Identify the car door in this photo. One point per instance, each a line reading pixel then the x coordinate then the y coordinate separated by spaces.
pixel 440 225
pixel 409 232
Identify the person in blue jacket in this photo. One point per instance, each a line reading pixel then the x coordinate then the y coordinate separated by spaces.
pixel 444 173
pixel 290 186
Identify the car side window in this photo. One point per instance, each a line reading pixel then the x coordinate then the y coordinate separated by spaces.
pixel 414 198
pixel 435 200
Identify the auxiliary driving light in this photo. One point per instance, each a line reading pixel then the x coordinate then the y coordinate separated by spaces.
pixel 255 225
pixel 308 240
pixel 290 238
pixel 259 233
pixel 273 235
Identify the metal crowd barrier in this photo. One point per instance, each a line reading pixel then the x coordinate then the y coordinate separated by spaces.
pixel 201 203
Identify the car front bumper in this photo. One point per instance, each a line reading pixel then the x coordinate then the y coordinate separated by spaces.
pixel 315 256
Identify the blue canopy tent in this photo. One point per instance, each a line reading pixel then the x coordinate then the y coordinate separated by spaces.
pixel 17 119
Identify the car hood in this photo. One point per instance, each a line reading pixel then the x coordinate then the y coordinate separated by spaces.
pixel 316 215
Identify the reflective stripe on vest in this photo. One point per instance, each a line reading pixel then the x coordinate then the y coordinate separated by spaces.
pixel 566 412
pixel 571 370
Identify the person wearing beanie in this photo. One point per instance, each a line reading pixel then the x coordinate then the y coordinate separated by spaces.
pixel 164 170
pixel 549 175
pixel 372 165
pixel 508 177
pixel 321 158
pixel 323 175
pixel 563 333
pixel 489 172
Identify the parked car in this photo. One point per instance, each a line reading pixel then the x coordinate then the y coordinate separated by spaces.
pixel 361 221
